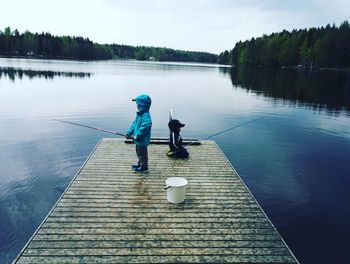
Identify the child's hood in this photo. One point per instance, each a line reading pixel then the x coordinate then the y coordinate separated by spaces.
pixel 143 102
pixel 174 125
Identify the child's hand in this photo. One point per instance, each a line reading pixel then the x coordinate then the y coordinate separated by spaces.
pixel 128 136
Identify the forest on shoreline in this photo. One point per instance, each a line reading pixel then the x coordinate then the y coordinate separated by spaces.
pixel 325 47
pixel 45 45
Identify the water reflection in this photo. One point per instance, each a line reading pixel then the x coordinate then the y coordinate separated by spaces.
pixel 319 90
pixel 14 73
pixel 295 163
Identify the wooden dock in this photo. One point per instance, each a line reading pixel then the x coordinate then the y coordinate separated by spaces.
pixel 109 214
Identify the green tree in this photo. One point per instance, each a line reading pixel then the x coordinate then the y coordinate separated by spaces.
pixel 7 31
pixel 323 47
pixel 29 43
pixel 224 57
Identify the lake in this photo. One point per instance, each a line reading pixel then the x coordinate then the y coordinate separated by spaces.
pixel 294 156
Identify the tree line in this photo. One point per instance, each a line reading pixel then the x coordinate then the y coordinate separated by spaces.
pixel 45 45
pixel 315 47
pixel 162 54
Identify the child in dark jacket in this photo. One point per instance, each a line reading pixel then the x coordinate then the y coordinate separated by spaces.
pixel 175 140
pixel 140 132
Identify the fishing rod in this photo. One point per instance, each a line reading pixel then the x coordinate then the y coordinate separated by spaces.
pixel 170 117
pixel 91 127
pixel 237 126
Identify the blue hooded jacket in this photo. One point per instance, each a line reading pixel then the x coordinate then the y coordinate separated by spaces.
pixel 141 126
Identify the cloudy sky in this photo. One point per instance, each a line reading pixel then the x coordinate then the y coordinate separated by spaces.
pixel 200 25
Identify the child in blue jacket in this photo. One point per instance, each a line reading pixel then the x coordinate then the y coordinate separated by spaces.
pixel 140 132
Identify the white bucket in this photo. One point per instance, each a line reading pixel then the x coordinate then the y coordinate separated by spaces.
pixel 176 189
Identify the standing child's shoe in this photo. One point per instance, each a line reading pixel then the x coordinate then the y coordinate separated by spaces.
pixel 141 170
pixel 135 166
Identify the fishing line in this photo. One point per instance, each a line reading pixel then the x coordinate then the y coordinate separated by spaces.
pixel 91 127
pixel 237 126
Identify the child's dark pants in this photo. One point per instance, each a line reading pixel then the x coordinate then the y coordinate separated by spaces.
pixel 142 155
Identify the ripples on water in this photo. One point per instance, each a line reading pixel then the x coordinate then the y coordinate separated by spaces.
pixel 295 162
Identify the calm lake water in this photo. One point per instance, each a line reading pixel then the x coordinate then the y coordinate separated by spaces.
pixel 296 162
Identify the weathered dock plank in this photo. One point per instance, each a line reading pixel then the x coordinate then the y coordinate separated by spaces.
pixel 109 214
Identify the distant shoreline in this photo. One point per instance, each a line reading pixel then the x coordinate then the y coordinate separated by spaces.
pixel 315 68
pixel 301 69
pixel 115 58
pixel 75 59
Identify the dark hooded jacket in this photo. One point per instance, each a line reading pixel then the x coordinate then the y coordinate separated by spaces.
pixel 175 141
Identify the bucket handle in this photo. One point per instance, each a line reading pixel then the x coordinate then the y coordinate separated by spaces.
pixel 166 188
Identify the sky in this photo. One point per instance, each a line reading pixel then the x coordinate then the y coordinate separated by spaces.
pixel 196 25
